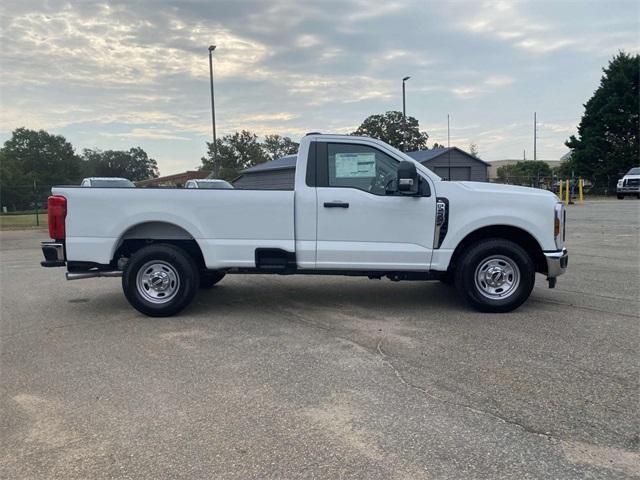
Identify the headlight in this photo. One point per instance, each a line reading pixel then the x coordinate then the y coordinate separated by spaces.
pixel 559 220
pixel 620 182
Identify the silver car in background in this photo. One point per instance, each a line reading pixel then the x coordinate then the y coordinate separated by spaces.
pixel 107 182
pixel 210 183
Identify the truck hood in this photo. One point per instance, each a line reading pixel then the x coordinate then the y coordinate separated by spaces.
pixel 630 177
pixel 499 188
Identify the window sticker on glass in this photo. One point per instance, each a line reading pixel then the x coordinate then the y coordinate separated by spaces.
pixel 349 165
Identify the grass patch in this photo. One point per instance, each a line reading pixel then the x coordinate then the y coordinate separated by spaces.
pixel 17 222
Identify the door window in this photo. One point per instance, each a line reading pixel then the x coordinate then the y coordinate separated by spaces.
pixel 361 167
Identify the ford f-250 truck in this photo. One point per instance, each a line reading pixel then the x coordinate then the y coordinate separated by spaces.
pixel 359 207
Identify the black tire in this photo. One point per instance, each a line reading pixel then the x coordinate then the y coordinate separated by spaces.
pixel 180 275
pixel 620 197
pixel 209 279
pixel 497 250
pixel 448 278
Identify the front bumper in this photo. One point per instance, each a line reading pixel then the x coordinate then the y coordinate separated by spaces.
pixel 630 189
pixel 557 262
pixel 53 254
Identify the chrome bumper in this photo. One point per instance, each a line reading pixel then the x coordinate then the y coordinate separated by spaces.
pixel 557 262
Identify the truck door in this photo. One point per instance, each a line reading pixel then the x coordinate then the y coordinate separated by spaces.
pixel 359 224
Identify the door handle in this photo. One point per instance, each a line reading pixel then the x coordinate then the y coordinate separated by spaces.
pixel 336 205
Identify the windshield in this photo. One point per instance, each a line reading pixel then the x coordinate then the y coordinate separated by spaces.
pixel 217 185
pixel 634 171
pixel 112 183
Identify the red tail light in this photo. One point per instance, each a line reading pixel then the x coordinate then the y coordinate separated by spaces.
pixel 57 211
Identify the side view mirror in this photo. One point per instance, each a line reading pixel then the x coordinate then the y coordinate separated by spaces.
pixel 407 178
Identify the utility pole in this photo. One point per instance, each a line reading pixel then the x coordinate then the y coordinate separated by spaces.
pixel 535 136
pixel 449 146
pixel 524 155
pixel 213 109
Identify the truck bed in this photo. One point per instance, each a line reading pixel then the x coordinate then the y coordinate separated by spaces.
pixel 228 225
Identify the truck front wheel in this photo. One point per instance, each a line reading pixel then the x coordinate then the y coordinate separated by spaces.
pixel 160 280
pixel 495 275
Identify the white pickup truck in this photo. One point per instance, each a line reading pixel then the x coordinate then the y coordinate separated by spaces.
pixel 359 208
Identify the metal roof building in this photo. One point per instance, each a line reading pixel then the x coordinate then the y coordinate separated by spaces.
pixel 452 164
pixel 279 174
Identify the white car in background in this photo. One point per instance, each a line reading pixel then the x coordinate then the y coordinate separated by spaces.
pixel 209 183
pixel 107 182
pixel 629 184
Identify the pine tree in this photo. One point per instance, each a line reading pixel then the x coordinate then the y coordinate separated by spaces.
pixel 608 141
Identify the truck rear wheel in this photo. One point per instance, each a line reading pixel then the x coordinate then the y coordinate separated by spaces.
pixel 495 275
pixel 160 280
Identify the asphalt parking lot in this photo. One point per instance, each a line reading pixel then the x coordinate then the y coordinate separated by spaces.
pixel 314 377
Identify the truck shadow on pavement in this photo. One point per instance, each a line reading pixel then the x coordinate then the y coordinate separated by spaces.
pixel 367 297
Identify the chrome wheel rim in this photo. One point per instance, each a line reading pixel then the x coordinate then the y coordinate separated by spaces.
pixel 157 282
pixel 497 277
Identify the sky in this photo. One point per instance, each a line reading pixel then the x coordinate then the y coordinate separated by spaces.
pixel 113 75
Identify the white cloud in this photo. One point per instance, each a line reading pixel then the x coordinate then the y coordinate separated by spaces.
pixel 371 9
pixel 499 80
pixel 538 34
pixel 146 133
pixel 307 41
pixel 103 49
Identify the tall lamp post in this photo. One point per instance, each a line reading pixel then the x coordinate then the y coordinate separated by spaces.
pixel 404 102
pixel 404 115
pixel 213 109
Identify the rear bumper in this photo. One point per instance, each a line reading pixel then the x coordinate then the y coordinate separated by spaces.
pixel 557 262
pixel 53 254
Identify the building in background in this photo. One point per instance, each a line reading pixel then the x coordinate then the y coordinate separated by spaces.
pixel 175 180
pixel 452 164
pixel 279 174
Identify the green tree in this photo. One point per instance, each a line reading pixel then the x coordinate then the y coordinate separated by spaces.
pixel 235 153
pixel 608 141
pixel 31 162
pixel 275 146
pixel 392 129
pixel 529 173
pixel 133 164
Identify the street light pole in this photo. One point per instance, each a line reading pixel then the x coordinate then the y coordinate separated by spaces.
pixel 213 109
pixel 404 103
pixel 404 115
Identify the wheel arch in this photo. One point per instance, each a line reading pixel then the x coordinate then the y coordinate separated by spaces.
pixel 148 232
pixel 508 232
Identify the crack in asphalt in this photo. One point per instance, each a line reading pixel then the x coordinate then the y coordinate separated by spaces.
pixel 300 318
pixel 387 360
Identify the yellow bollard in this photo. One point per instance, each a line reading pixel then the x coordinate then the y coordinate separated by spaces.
pixel 560 192
pixel 566 193
pixel 580 193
